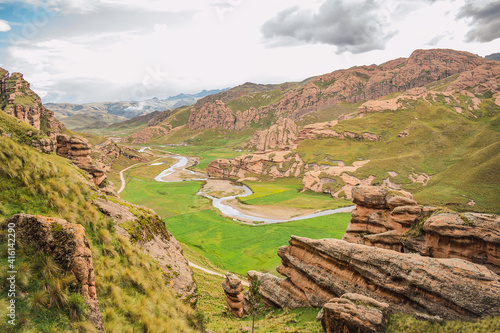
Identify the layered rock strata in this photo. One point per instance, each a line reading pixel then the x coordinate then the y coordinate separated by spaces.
pixel 362 83
pixel 353 313
pixel 328 268
pixel 281 135
pixel 276 164
pixel 234 296
pixel 68 244
pixel 148 230
pixel 393 220
pixel 78 150
pixel 24 104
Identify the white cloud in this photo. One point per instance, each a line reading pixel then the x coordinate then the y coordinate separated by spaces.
pixel 4 26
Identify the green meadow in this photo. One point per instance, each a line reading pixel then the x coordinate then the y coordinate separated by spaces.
pixel 228 244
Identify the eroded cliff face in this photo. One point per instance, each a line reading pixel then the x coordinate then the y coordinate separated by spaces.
pixel 78 150
pixel 276 165
pixel 18 100
pixel 142 226
pixel 425 261
pixel 353 85
pixel 280 136
pixel 328 268
pixel 67 243
pixel 393 220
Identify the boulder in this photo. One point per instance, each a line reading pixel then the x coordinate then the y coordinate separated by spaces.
pixel 68 244
pixel 319 270
pixel 353 313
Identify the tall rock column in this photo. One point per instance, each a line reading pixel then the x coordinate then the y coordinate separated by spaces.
pixel 234 297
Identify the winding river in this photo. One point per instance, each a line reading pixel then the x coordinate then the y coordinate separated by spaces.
pixel 231 211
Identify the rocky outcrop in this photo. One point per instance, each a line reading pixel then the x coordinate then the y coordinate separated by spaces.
pixel 142 226
pixel 328 268
pixel 353 313
pixel 335 180
pixel 470 236
pixel 147 134
pixel 44 145
pixel 393 220
pixel 281 135
pixel 276 165
pixel 362 83
pixel 78 150
pixel 68 244
pixel 21 102
pixel 279 293
pixel 234 296
pixel 219 115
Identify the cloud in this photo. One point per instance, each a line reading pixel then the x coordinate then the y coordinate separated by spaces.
pixel 484 20
pixel 355 27
pixel 4 26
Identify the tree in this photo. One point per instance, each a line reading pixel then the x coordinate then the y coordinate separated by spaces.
pixel 256 303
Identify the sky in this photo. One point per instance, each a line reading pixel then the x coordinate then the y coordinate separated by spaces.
pixel 80 51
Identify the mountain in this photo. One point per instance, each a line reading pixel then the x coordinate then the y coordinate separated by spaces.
pixel 99 115
pixel 428 123
pixel 493 56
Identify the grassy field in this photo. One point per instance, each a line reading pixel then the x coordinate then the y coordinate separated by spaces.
pixel 459 153
pixel 228 244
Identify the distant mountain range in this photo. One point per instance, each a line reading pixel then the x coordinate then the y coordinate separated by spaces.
pixel 493 56
pixel 99 115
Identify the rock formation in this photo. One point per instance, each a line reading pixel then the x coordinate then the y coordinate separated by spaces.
pixel 78 149
pixel 354 313
pixel 148 230
pixel 276 164
pixel 281 135
pixel 362 83
pixel 234 297
pixel 21 102
pixel 328 268
pixel 68 244
pixel 393 220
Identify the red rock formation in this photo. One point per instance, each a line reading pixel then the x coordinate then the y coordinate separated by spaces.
pixel 281 135
pixel 328 268
pixel 354 313
pixel 24 104
pixel 393 220
pixel 350 85
pixel 78 149
pixel 234 297
pixel 68 244
pixel 276 164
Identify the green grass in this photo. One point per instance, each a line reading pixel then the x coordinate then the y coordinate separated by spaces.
pixel 132 292
pixel 289 195
pixel 211 303
pixel 255 100
pixel 192 221
pixel 459 153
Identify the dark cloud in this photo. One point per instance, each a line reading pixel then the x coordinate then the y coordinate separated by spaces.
pixel 355 27
pixel 484 20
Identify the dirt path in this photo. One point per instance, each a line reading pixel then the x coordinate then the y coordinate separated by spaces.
pixel 123 178
pixel 212 272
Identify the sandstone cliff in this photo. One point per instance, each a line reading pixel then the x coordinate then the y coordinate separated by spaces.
pixel 78 149
pixel 68 244
pixel 362 83
pixel 18 100
pixel 320 270
pixel 276 164
pixel 426 261
pixel 144 227
pixel 393 220
pixel 281 135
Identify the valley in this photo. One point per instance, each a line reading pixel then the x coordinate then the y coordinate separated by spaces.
pixel 364 189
